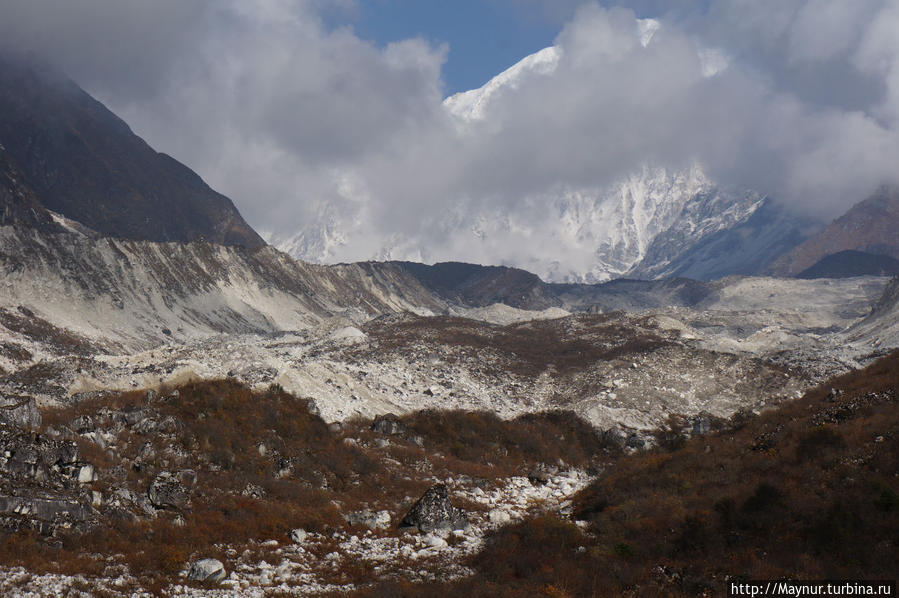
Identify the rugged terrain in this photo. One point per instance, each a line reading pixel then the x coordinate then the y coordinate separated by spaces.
pixel 186 411
pixel 165 403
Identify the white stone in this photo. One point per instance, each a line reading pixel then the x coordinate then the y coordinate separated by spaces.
pixel 298 535
pixel 207 570
pixel 434 541
pixel 86 474
pixel 499 517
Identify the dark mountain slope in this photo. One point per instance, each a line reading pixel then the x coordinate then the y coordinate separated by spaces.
pixel 848 263
pixel 478 286
pixel 82 161
pixel 18 203
pixel 870 226
pixel 472 285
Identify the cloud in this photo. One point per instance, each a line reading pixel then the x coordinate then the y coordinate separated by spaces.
pixel 306 126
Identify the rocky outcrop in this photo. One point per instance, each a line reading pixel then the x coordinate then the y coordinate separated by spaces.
pixel 44 515
pixel 388 424
pixel 434 511
pixel 29 456
pixel 42 482
pixel 207 570
pixel 21 412
pixel 170 490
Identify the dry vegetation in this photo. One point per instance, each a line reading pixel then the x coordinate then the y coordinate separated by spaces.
pixel 310 474
pixel 525 349
pixel 806 491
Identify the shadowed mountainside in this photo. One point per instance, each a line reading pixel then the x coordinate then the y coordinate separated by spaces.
pixel 848 263
pixel 80 160
pixel 869 226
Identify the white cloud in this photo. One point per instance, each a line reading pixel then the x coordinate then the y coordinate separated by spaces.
pixel 293 120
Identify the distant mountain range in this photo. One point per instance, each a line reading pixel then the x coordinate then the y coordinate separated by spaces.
pixel 655 223
pixel 69 164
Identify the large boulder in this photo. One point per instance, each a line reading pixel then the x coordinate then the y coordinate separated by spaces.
pixel 434 511
pixel 171 490
pixel 702 424
pixel 207 570
pixel 388 424
pixel 21 412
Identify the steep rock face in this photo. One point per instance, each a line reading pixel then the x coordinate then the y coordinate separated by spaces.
pixel 18 203
pixel 869 226
pixel 889 301
pixel 83 162
pixel 742 247
pixel 880 330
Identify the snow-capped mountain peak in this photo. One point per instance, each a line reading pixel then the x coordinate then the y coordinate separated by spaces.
pixel 643 224
pixel 471 105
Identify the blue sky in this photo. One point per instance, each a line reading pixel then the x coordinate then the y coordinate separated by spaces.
pixel 484 36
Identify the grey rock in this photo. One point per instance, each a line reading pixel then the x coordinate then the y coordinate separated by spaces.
pixel 207 570
pixel 134 416
pixel 83 424
pixel 170 425
pixel 46 509
pixel 702 425
pixel 434 511
pixel 147 426
pixel 542 474
pixel 21 412
pixel 62 453
pixel 124 497
pixel 86 474
pixel 612 437
pixel 634 441
pixel 388 424
pixel 369 519
pixel 167 491
pixel 253 491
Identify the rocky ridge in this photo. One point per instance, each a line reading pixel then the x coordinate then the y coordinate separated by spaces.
pixel 869 226
pixel 80 160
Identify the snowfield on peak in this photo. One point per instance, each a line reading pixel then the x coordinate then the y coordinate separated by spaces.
pixel 645 225
pixel 471 105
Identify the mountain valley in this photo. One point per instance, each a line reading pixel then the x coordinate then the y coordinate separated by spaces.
pixel 188 411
